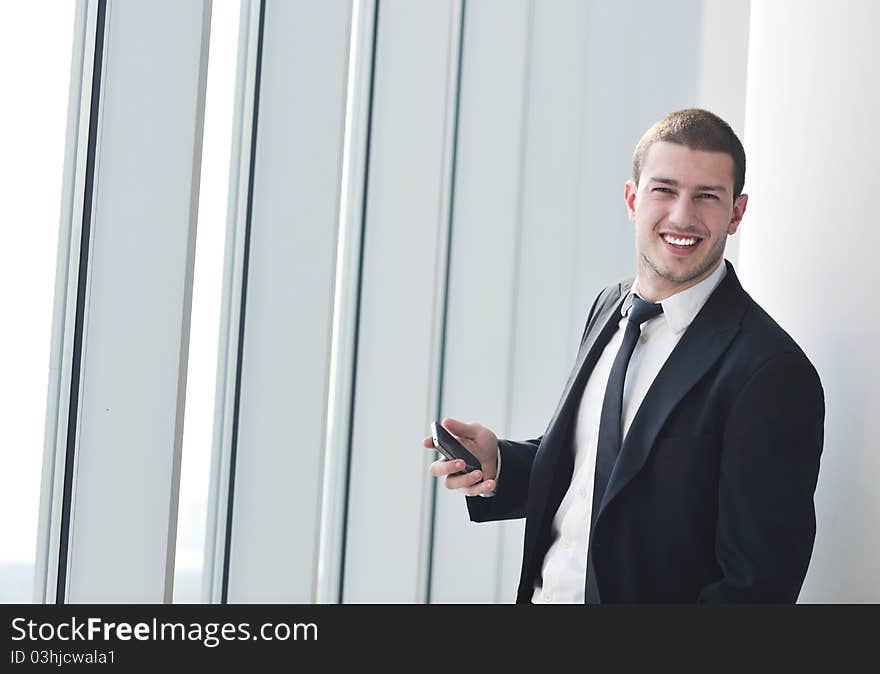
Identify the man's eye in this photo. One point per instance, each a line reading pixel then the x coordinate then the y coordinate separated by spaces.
pixel 706 195
pixel 663 189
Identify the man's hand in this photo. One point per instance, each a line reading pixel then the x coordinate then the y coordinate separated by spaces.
pixel 479 441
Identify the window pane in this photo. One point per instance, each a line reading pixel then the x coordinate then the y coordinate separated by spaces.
pixel 36 39
pixel 207 286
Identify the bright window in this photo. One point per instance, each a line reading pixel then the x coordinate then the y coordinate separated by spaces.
pixel 36 40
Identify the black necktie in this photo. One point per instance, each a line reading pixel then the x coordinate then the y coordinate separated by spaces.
pixel 611 422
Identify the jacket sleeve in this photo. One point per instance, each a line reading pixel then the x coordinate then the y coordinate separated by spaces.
pixel 771 446
pixel 511 493
pixel 512 490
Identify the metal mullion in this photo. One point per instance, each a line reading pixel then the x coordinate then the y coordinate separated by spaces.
pixel 346 303
pixel 441 287
pixel 51 569
pixel 222 483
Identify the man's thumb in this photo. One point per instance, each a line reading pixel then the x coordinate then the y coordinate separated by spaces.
pixel 460 428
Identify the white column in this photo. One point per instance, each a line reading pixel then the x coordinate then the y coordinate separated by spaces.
pixel 809 246
pixel 111 514
pixel 406 224
pixel 288 303
pixel 482 285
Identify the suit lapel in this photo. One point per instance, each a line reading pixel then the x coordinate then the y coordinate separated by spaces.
pixel 604 327
pixel 555 436
pixel 704 341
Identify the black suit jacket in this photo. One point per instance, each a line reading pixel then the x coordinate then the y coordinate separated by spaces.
pixel 711 498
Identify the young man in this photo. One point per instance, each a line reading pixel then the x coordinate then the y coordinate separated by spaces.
pixel 681 462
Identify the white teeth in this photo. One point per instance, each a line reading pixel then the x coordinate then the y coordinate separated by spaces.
pixel 679 241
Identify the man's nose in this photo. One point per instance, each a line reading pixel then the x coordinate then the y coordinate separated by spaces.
pixel 682 212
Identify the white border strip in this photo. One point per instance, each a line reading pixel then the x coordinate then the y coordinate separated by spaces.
pixel 328 582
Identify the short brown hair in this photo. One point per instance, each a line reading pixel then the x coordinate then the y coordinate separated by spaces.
pixel 699 130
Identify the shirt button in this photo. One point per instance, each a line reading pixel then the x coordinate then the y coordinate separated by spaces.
pixel 548 597
pixel 643 339
pixel 582 492
pixel 566 544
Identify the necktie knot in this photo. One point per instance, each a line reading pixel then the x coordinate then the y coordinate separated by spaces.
pixel 642 311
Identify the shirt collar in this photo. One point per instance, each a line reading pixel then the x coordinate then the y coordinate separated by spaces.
pixel 682 307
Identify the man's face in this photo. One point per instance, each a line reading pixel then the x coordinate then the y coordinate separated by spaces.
pixel 683 210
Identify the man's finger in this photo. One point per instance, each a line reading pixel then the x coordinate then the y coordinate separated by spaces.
pixel 444 467
pixel 462 482
pixel 428 443
pixel 481 488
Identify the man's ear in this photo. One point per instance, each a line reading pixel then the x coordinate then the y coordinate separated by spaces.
pixel 629 196
pixel 739 210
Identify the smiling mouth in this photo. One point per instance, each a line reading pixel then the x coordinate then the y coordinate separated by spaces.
pixel 683 242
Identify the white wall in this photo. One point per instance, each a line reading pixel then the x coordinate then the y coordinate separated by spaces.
pixel 808 251
pixel 724 48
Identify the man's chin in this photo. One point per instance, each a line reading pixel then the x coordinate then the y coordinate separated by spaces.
pixel 685 272
pixel 681 277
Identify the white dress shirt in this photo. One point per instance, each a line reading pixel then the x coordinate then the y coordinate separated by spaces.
pixel 563 574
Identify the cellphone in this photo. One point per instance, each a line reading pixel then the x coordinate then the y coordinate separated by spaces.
pixel 452 449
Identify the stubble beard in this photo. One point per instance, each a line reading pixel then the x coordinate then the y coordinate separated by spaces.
pixel 709 262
